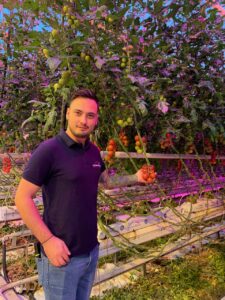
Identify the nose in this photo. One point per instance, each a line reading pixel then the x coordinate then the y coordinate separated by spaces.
pixel 83 119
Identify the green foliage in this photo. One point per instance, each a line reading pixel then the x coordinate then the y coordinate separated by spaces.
pixel 182 275
pixel 162 61
pixel 199 276
pixel 7 229
pixel 217 262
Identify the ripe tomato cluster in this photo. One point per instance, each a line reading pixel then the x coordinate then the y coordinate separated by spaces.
pixel 148 173
pixel 140 143
pixel 6 165
pixel 166 142
pixel 111 148
pixel 123 138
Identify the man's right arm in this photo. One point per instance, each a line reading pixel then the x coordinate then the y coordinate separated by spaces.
pixel 55 248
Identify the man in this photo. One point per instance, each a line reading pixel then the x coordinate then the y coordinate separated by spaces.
pixel 68 168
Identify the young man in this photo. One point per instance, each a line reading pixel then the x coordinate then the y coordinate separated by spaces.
pixel 68 168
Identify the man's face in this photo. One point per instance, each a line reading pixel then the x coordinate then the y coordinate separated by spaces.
pixel 82 117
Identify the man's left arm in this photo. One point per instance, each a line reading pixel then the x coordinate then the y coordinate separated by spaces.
pixel 119 180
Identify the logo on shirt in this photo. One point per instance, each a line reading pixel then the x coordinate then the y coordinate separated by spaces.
pixel 96 164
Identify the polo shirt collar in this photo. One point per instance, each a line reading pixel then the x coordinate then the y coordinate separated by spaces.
pixel 70 142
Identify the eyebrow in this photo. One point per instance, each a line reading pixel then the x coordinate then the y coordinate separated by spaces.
pixel 88 113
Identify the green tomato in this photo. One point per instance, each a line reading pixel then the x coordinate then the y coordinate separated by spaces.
pixel 124 59
pixel 82 55
pixel 110 20
pixel 65 9
pixel 76 22
pixel 123 65
pixel 61 81
pixel 120 122
pixel 129 120
pixel 66 75
pixel 46 52
pixel 70 21
pixel 140 151
pixel 55 32
pixel 87 58
pixel 56 86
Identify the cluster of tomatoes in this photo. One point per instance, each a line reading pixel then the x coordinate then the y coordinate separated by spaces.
pixel 111 149
pixel 140 143
pixel 126 122
pixel 3 134
pixel 72 20
pixel 123 138
pixel 167 141
pixel 124 62
pixel 62 81
pixel 6 165
pixel 148 173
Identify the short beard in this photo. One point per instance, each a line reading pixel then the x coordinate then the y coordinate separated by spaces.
pixel 79 135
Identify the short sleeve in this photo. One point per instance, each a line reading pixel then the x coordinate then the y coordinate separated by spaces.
pixel 38 168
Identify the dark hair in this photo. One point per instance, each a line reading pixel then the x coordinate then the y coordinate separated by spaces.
pixel 84 93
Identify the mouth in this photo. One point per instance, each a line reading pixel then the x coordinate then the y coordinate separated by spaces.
pixel 82 128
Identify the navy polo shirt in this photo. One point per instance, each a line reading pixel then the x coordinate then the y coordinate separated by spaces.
pixel 68 173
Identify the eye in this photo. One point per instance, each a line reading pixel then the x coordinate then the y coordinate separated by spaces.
pixel 78 113
pixel 91 116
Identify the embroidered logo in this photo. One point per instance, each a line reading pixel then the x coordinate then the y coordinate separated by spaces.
pixel 96 164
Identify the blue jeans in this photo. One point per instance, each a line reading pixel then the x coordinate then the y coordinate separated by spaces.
pixel 70 282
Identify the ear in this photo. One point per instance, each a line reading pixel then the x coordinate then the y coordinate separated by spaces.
pixel 67 113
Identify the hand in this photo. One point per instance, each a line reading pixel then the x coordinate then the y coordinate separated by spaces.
pixel 146 174
pixel 57 252
pixel 139 175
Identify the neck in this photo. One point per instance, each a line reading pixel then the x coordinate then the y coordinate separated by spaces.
pixel 80 140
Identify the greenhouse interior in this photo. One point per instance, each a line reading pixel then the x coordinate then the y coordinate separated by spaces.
pixel 112 150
